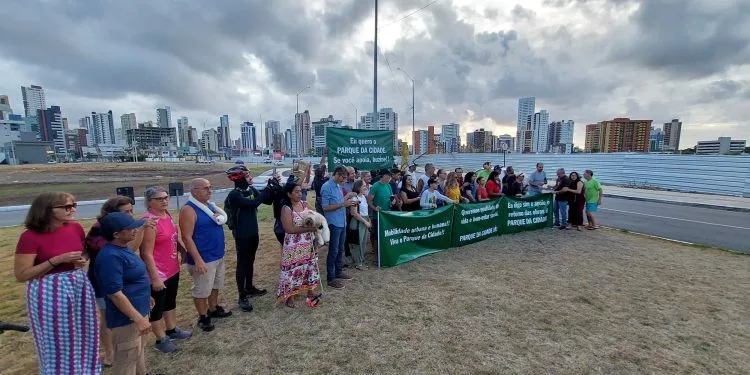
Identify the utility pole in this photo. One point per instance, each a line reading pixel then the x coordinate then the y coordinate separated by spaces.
pixel 413 102
pixel 375 66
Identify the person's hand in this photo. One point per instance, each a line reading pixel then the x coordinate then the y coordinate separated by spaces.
pixel 201 267
pixel 157 285
pixel 350 203
pixel 69 257
pixel 368 225
pixel 143 325
pixel 81 262
pixel 151 303
pixel 150 222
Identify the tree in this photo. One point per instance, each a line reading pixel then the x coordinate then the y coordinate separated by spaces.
pixel 404 156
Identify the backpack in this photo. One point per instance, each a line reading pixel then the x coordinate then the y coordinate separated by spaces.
pixel 232 213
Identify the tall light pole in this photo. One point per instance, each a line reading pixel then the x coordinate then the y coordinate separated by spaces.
pixel 375 65
pixel 356 115
pixel 300 139
pixel 413 102
pixel 300 92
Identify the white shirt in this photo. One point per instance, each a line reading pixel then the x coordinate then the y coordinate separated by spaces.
pixel 362 201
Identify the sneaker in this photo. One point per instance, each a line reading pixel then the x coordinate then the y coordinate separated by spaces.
pixel 255 292
pixel 344 276
pixel 165 345
pixel 244 305
pixel 180 334
pixel 206 325
pixel 563 227
pixel 336 284
pixel 219 313
pixel 556 224
pixel 361 267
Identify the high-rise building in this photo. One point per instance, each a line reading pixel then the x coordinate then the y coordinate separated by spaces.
pixel 560 137
pixel 385 119
pixel 540 129
pixel 152 137
pixel 672 132
pixel 225 141
pixel 102 128
pixel 508 140
pixel 656 142
pixel 5 110
pixel 51 129
pixel 619 135
pixel 73 143
pixel 450 137
pixel 128 121
pixel 272 128
pixel 290 142
pixel 278 143
pixel 431 139
pixel 183 131
pixel 193 140
pixel 481 140
pixel 164 117
pixel 721 146
pixel 319 130
pixel 526 109
pixel 420 139
pixel 210 140
pixel 33 100
pixel 248 142
pixel 302 133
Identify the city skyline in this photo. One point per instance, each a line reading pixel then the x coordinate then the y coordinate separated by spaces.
pixel 560 51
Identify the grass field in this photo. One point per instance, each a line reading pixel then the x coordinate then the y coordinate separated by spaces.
pixel 90 181
pixel 544 302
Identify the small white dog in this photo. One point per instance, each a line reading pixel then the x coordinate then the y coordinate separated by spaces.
pixel 314 219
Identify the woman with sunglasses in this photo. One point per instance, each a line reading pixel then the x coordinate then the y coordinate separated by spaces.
pixel 409 195
pixel 94 242
pixel 159 251
pixel 60 301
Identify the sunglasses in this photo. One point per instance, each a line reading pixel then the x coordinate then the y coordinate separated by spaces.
pixel 162 199
pixel 67 207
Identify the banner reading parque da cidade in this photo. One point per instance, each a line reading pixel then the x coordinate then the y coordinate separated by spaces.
pixel 362 149
pixel 405 236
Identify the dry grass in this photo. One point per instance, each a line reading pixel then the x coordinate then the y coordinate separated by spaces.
pixel 599 302
pixel 89 181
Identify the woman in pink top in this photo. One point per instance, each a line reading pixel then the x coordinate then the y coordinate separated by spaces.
pixel 159 251
pixel 60 301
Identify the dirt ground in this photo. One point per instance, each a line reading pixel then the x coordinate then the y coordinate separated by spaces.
pixel 91 181
pixel 543 302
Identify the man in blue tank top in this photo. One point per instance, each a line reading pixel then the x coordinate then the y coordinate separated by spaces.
pixel 203 238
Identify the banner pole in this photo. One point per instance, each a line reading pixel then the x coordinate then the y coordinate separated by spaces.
pixel 378 216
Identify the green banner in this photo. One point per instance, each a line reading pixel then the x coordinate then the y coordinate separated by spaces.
pixel 362 149
pixel 405 236
pixel 474 222
pixel 527 213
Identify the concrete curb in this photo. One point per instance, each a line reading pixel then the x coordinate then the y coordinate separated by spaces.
pixel 689 204
pixel 87 203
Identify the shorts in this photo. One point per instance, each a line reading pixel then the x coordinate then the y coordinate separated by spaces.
pixel 591 207
pixel 165 299
pixel 213 279
pixel 100 304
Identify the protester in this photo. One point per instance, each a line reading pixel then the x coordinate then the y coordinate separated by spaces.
pixel 334 208
pixel 409 195
pixel 318 181
pixel 60 300
pixel 422 184
pixel 159 252
pixel 366 177
pixel 413 172
pixel 351 177
pixel 594 194
pixel 509 178
pixel 244 201
pixel 274 195
pixel 395 189
pixel 459 175
pixel 201 224
pixel 452 188
pixel 562 198
pixel 469 189
pixel 360 224
pixel 379 199
pixel 514 187
pixel 124 280
pixel 577 201
pixel 482 194
pixel 299 258
pixel 431 196
pixel 94 242
pixel 485 171
pixel 537 180
pixel 493 185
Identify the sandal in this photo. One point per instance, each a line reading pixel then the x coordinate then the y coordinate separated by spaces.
pixel 313 300
pixel 290 303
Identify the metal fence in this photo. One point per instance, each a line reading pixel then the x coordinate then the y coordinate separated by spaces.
pixel 725 175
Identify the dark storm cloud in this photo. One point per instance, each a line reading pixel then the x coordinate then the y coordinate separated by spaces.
pixel 520 13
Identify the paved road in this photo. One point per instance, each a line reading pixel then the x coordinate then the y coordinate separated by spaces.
pixel 705 226
pixel 725 229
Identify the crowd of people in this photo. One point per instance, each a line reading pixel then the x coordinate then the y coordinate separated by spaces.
pixel 110 288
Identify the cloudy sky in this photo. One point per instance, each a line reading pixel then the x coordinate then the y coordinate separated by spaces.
pixel 585 60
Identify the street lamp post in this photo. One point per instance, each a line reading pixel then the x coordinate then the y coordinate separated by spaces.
pixel 356 114
pixel 413 102
pixel 295 117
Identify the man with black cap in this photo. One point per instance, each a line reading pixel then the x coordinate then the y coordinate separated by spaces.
pixel 379 199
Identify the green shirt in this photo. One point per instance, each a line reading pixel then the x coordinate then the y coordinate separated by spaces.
pixel 381 195
pixel 483 173
pixel 593 189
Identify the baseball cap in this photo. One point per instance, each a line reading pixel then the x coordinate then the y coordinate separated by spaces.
pixel 117 222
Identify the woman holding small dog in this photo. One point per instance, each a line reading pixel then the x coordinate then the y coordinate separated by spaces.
pixel 299 258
